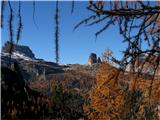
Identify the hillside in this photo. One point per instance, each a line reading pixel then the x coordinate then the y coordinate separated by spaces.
pixel 34 77
pixel 68 91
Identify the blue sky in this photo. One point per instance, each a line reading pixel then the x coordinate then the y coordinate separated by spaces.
pixel 75 46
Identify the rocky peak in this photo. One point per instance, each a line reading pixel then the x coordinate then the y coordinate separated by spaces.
pixel 99 60
pixel 92 59
pixel 21 49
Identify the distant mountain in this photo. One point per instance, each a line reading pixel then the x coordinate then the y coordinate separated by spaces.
pixel 18 50
pixel 30 66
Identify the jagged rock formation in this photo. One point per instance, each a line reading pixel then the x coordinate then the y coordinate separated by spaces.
pixel 21 49
pixel 92 59
pixel 99 60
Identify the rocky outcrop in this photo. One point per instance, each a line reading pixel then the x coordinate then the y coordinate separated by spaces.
pixel 92 59
pixel 99 60
pixel 21 49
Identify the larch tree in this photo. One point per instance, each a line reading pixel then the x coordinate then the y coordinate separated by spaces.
pixel 119 93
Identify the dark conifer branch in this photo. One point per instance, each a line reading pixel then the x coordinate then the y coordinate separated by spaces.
pixel 34 12
pixel 19 30
pixel 72 7
pixel 85 21
pixel 57 32
pixel 10 32
pixel 2 12
pixel 11 27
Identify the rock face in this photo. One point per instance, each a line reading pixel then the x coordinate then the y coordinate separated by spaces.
pixel 25 50
pixel 92 59
pixel 99 60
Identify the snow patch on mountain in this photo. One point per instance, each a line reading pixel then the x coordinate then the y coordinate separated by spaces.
pixel 17 55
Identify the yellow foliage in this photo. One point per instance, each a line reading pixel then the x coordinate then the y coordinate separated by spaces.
pixel 109 101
